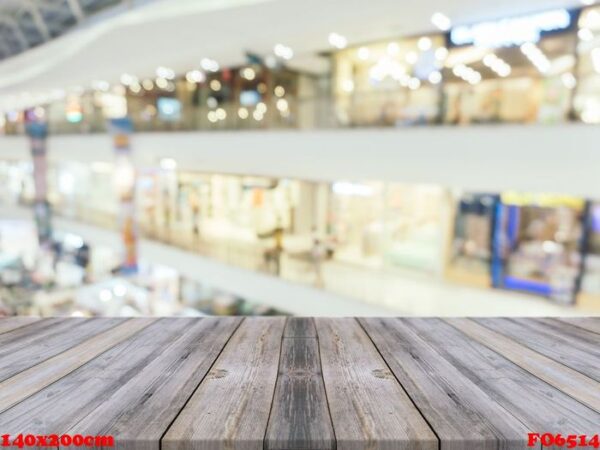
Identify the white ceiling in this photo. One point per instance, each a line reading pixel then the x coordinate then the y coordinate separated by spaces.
pixel 178 33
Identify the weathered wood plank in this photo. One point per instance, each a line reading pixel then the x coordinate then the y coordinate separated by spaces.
pixel 534 402
pixel 300 414
pixel 230 409
pixel 62 404
pixel 143 407
pixel 15 357
pixel 35 378
pixel 462 414
pixel 303 327
pixel 580 354
pixel 369 408
pixel 567 380
pixel 12 323
pixel 23 336
pixel 587 323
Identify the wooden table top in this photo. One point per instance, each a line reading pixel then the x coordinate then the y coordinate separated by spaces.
pixel 300 383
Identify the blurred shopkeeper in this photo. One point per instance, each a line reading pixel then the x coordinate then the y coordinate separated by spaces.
pixel 537 244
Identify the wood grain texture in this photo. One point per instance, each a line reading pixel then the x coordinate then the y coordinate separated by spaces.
pixel 230 409
pixel 62 404
pixel 534 402
pixel 572 347
pixel 35 378
pixel 301 383
pixel 462 414
pixel 587 323
pixel 300 414
pixel 16 357
pixel 146 404
pixel 565 379
pixel 20 337
pixel 302 327
pixel 369 408
pixel 12 323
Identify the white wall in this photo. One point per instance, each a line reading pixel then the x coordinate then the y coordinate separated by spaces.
pixel 561 158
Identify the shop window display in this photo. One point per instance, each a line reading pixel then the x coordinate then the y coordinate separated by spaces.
pixel 357 222
pixel 415 226
pixel 589 294
pixel 389 83
pixel 471 245
pixel 587 98
pixel 528 78
pixel 537 245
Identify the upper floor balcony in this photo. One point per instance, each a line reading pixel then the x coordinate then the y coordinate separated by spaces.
pixel 543 68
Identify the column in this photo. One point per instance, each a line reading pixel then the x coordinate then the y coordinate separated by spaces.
pixel 125 176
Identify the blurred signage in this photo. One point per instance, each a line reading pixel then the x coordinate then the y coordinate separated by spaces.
pixel 512 31
pixel 169 109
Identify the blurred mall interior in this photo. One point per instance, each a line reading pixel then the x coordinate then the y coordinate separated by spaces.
pixel 260 157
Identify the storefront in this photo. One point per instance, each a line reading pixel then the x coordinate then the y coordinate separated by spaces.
pixel 416 227
pixel 589 294
pixel 516 70
pixel 389 83
pixel 470 254
pixel 16 177
pixel 83 191
pixel 537 244
pixel 587 97
pixel 392 225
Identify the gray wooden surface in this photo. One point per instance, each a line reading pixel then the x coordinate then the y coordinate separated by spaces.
pixel 301 383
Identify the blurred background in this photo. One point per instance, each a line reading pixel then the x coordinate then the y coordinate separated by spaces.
pixel 339 157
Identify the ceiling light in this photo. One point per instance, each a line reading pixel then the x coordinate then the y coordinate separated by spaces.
pixel 215 85
pixel 435 77
pixel 337 40
pixel 497 65
pixel 363 53
pixel 424 44
pixel 279 91
pixel 221 113
pixel 165 72
pixel 261 107
pixel 441 21
pixel 127 79
pixel 414 84
pixel 258 116
pixel 195 76
pixel 441 53
pixel 100 85
pixel 283 51
pixel 248 73
pixel 168 164
pixel 569 80
pixel 162 83
pixel 282 104
pixel 209 65
pixel 148 84
pixel 585 34
pixel 411 57
pixel 348 86
pixel 596 59
pixel 393 49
